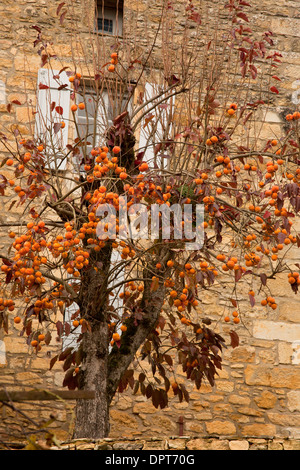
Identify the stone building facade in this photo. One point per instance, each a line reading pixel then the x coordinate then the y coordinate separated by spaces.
pixel 257 394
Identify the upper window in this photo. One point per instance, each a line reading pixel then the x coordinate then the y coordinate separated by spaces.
pixel 101 108
pixel 109 17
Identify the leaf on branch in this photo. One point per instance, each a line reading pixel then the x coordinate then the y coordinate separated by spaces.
pixel 47 338
pixel 44 60
pixel 195 17
pixel 4 321
pixel 59 328
pixel 243 16
pixel 59 8
pixel 263 278
pixel 62 17
pixel 53 361
pixel 43 87
pixel 59 110
pixel 67 327
pixel 172 80
pixel 252 300
pixel 273 89
pixel 37 28
pixel 64 354
pixel 69 380
pixel 136 387
pixel 56 127
pixel 67 363
pixel 149 390
pixel 235 341
pixel 185 393
pixel 148 118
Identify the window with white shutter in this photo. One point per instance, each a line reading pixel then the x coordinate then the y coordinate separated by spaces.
pixel 52 116
pixel 155 126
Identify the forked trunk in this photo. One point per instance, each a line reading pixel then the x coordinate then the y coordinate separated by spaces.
pixel 92 415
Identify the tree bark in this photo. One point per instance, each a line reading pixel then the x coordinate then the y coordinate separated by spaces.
pixel 92 416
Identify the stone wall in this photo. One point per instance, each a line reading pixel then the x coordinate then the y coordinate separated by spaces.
pixel 182 444
pixel 176 445
pixel 256 400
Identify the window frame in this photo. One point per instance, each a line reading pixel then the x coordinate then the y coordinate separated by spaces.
pixel 112 10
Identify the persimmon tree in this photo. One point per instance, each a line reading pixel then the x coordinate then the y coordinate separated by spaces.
pixel 137 299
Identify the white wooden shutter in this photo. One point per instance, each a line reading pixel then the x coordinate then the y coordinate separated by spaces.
pixel 117 303
pixel 2 353
pixel 104 116
pixel 149 138
pixel 71 339
pixel 55 141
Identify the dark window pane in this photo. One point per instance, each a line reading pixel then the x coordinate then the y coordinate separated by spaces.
pixel 105 25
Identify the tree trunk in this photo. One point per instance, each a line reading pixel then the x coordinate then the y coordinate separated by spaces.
pixel 92 416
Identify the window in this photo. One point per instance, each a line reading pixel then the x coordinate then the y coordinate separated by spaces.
pixel 109 17
pixel 53 107
pixel 156 127
pixel 101 108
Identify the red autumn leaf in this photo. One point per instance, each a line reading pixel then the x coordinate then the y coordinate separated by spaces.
pixel 234 339
pixel 59 7
pixel 59 110
pixel 273 89
pixel 243 16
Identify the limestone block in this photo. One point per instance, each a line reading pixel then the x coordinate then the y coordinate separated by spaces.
pixel 220 427
pixel 122 418
pixel 289 311
pixel 259 430
pixel 266 400
pixel 279 377
pixel 271 330
pixel 293 400
pixel 239 445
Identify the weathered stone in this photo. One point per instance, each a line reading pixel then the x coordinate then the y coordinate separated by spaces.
pixel 222 428
pixel 279 377
pixel 207 444
pixel 293 400
pixel 143 408
pixel 289 311
pixel 123 419
pixel 239 445
pixel 257 429
pixel 276 330
pixel 239 400
pixel 291 445
pixel 285 352
pixel 282 419
pixel 248 411
pixel 266 400
pixel 197 444
pixel 243 354
pixel 177 444
pixel 28 378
